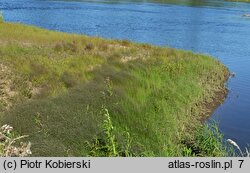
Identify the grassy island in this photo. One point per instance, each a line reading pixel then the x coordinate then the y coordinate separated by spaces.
pixel 76 95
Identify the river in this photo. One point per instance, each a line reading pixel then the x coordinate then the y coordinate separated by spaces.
pixel 217 28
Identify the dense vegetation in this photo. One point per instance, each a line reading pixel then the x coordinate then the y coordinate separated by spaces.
pixel 76 96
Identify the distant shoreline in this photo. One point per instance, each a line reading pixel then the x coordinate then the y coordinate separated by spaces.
pixel 239 1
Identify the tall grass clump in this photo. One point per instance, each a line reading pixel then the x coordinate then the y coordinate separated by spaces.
pixel 106 145
pixel 209 141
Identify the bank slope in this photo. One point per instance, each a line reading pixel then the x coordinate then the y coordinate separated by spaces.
pixel 67 92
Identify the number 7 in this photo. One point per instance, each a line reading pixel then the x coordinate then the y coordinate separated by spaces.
pixel 241 162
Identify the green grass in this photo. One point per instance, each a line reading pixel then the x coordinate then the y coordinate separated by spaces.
pixel 61 82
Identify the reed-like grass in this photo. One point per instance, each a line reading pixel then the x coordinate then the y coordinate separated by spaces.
pixel 60 82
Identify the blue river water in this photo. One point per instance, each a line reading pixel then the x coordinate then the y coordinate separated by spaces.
pixel 217 28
